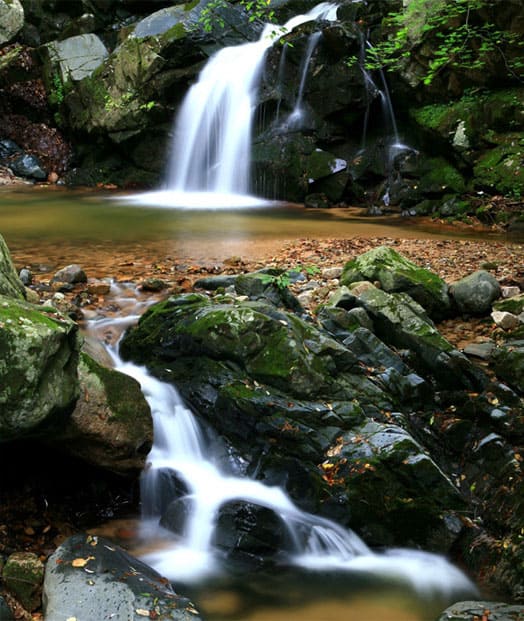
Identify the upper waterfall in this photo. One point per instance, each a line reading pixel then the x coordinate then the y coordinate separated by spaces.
pixel 210 160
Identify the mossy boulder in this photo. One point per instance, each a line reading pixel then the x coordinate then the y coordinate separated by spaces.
pixel 39 351
pixel 508 363
pixel 500 169
pixel 386 472
pixel 111 425
pixel 398 322
pixel 10 284
pixel 397 274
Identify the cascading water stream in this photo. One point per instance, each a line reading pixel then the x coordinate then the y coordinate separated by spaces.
pixel 210 159
pixel 316 543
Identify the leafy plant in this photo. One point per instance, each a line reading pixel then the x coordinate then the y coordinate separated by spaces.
pixel 463 40
pixel 284 279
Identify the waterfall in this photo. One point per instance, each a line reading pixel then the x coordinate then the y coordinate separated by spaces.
pixel 180 451
pixel 210 160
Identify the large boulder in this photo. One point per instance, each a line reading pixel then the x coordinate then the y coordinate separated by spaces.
pixel 399 321
pixel 397 274
pixel 475 294
pixel 11 19
pixel 75 58
pixel 111 425
pixel 39 351
pixel 384 469
pixel 89 577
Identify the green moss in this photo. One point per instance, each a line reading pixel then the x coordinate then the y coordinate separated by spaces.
pixel 123 395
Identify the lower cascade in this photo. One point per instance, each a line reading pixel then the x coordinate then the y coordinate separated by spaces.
pixel 183 478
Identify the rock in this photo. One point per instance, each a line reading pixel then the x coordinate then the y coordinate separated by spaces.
pixel 509 291
pixel 265 287
pixel 28 166
pixel 26 277
pixel 89 577
pixel 480 350
pixel 475 293
pixel 494 611
pixel 396 274
pixel 23 575
pixel 5 612
pixel 76 57
pixel 513 304
pixel 508 363
pixel 250 534
pixel 153 284
pixel 504 320
pixel 10 284
pixel 399 323
pixel 111 425
pixel 39 351
pixel 317 200
pixel 11 19
pixel 98 287
pixel 71 274
pixel 212 283
pixel 330 273
pixel 386 472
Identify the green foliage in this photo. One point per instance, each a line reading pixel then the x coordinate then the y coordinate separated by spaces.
pixel 283 280
pixel 461 38
pixel 211 14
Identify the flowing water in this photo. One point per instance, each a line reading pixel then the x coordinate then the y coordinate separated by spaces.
pixel 325 570
pixel 210 162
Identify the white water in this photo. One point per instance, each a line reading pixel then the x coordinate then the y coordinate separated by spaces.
pixel 210 161
pixel 317 543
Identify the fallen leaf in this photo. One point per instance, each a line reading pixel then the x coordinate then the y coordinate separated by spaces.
pixel 81 562
pixel 142 612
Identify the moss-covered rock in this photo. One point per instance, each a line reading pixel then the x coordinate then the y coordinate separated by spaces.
pixel 10 284
pixel 23 575
pixel 39 351
pixel 514 304
pixel 111 425
pixel 501 169
pixel 397 274
pixel 508 363
pixel 398 322
pixel 384 471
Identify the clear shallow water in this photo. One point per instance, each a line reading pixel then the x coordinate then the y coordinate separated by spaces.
pixel 53 221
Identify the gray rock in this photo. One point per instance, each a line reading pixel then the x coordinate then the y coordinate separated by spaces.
pixel 505 320
pixel 480 350
pixel 475 293
pixel 494 611
pixel 5 611
pixel 11 19
pixel 70 274
pixel 77 57
pixel 26 277
pixel 89 577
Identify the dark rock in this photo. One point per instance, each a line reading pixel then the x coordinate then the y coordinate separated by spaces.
pixel 508 363
pixel 250 533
